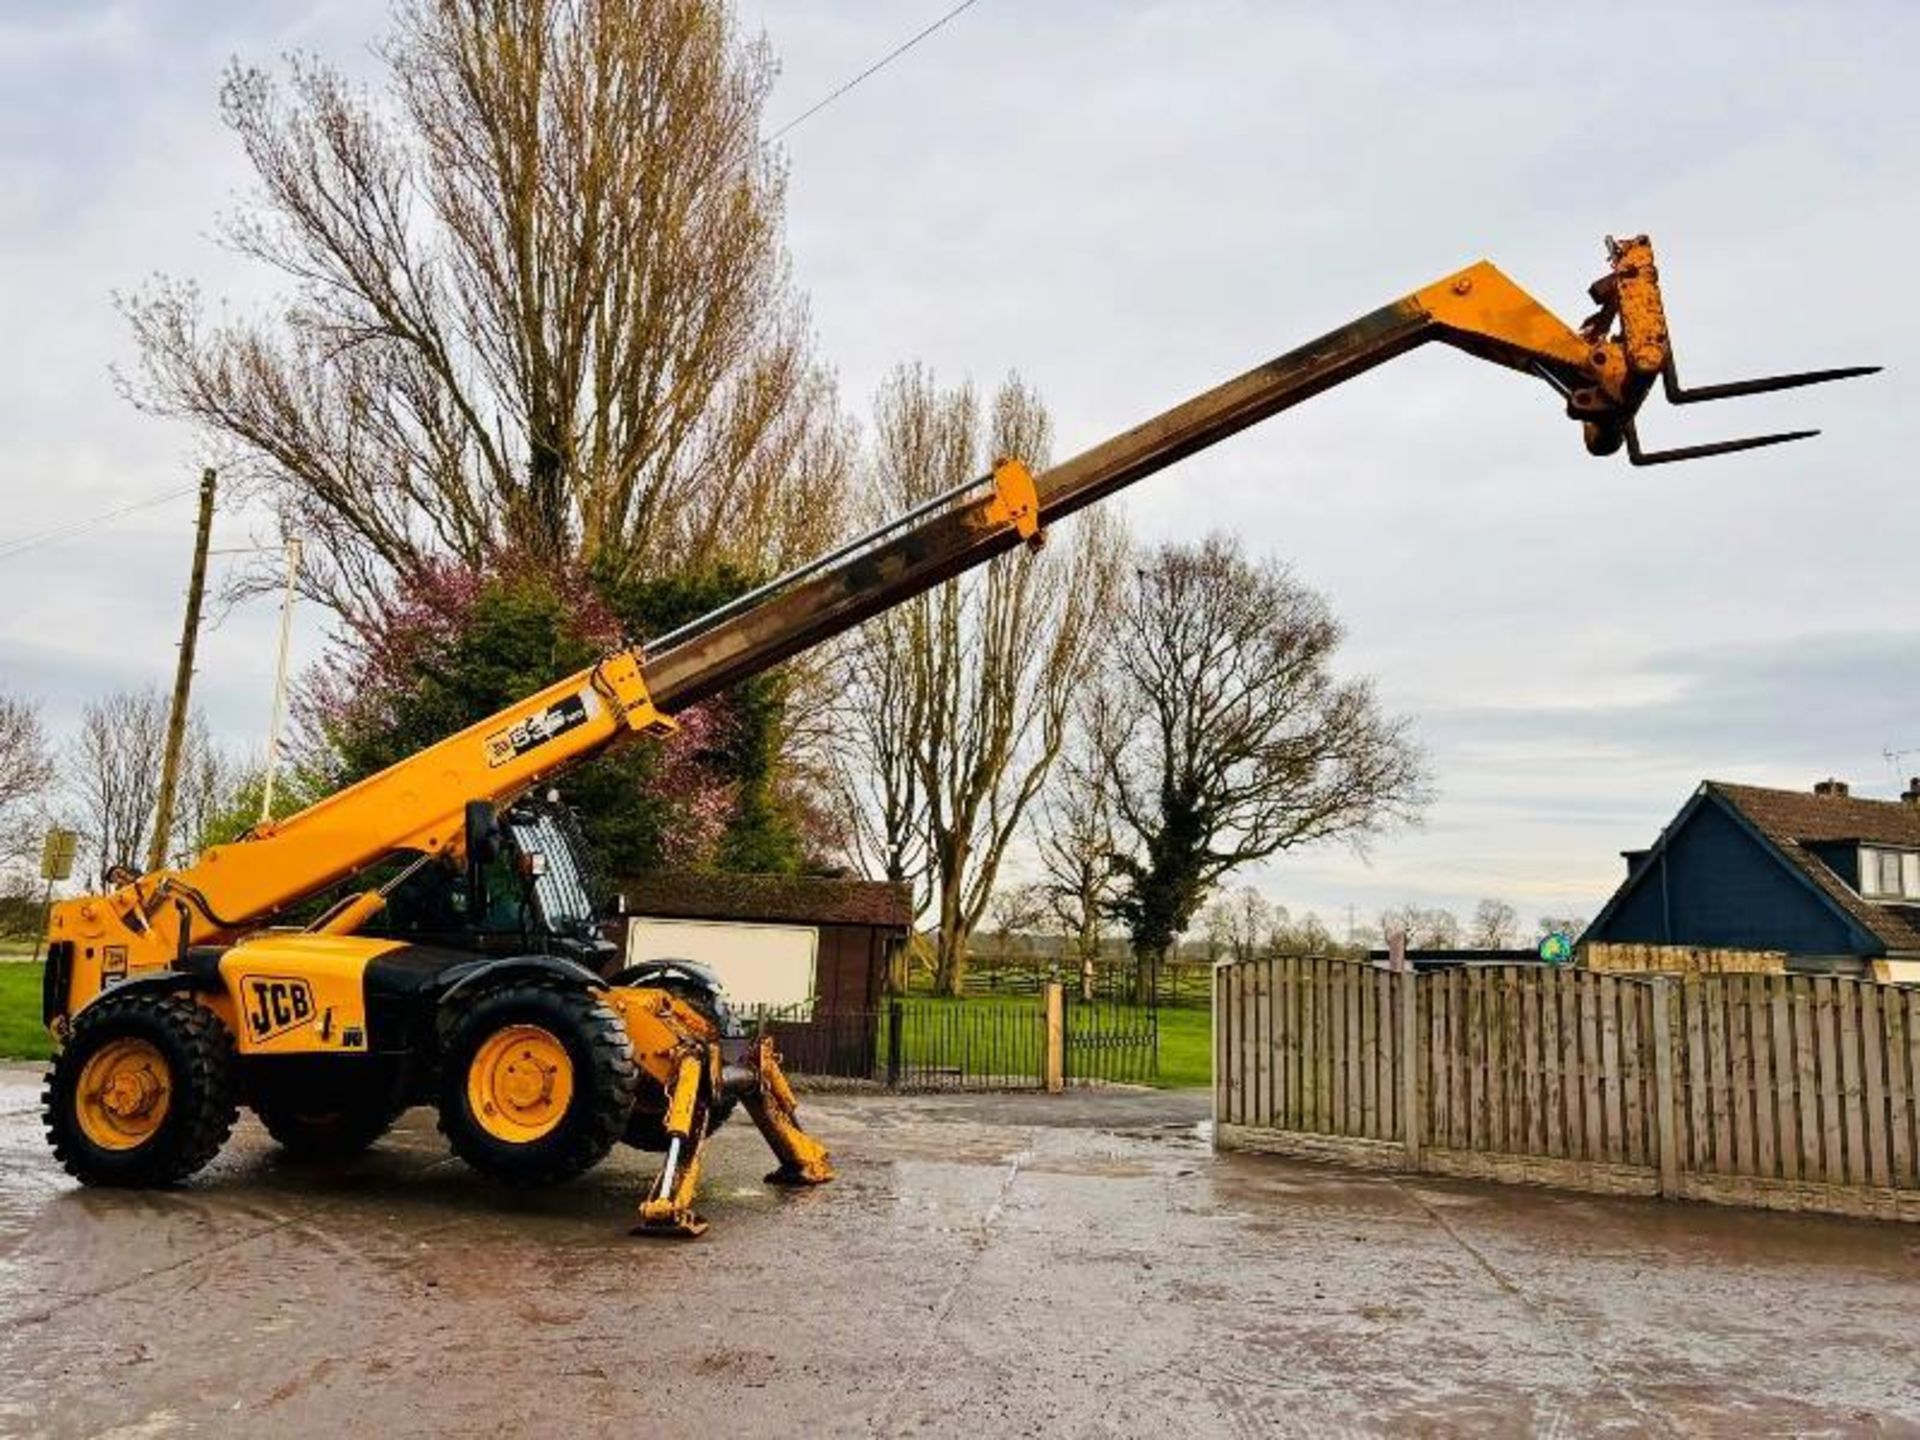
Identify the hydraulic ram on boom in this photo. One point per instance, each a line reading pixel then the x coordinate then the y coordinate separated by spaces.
pixel 471 974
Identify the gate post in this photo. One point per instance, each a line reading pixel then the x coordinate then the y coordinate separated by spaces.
pixel 896 1022
pixel 1665 1134
pixel 1409 1047
pixel 1054 1074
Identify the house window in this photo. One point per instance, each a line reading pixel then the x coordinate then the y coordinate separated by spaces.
pixel 1892 874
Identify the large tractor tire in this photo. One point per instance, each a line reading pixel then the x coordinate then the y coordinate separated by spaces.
pixel 324 1132
pixel 142 1093
pixel 537 1083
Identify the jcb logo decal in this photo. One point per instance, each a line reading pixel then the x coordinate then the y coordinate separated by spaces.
pixel 537 729
pixel 274 1004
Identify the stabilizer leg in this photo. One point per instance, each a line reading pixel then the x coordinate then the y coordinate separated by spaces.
pixel 769 1100
pixel 668 1206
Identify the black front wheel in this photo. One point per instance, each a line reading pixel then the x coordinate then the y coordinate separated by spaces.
pixel 142 1093
pixel 536 1084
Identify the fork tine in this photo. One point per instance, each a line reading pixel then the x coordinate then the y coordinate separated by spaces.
pixel 1678 394
pixel 1701 452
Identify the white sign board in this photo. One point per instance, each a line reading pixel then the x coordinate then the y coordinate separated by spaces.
pixel 760 965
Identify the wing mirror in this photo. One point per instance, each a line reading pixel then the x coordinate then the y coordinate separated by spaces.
pixel 483 833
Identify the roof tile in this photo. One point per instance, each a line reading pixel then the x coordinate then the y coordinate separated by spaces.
pixel 772 899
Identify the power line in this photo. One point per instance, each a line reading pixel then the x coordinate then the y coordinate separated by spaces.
pixel 23 543
pixel 872 70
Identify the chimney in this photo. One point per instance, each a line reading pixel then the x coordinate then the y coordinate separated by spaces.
pixel 1912 793
pixel 1833 789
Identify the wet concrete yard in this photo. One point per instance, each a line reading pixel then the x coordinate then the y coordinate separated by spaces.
pixel 986 1266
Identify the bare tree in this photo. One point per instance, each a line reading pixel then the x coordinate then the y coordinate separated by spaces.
pixel 1495 926
pixel 1308 935
pixel 872 754
pixel 539 302
pixel 1243 925
pixel 1074 834
pixel 1014 910
pixel 1230 739
pixel 209 784
pixel 26 776
pixel 1215 923
pixel 1439 929
pixel 113 771
pixel 1426 928
pixel 1250 922
pixel 956 705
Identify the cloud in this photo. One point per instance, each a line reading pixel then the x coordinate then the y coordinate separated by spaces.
pixel 1829 702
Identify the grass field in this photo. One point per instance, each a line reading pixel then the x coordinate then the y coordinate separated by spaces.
pixel 1186 1035
pixel 1186 1048
pixel 21 1034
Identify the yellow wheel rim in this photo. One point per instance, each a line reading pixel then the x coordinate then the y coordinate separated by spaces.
pixel 520 1084
pixel 124 1094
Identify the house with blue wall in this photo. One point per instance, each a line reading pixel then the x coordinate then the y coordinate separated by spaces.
pixel 1830 878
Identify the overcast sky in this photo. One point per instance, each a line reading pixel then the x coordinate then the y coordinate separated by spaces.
pixel 1129 203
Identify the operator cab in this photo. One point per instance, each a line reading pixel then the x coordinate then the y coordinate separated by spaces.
pixel 528 885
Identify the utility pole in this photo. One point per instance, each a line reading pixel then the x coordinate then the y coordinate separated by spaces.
pixel 182 681
pixel 280 680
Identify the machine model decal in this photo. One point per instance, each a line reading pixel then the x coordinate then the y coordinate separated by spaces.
pixel 536 729
pixel 275 1004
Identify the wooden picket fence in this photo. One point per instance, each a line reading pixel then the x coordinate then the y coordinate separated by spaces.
pixel 1785 1091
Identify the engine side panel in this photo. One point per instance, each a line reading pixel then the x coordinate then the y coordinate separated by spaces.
pixel 301 994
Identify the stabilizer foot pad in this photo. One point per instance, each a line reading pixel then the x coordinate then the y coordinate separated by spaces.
pixel 800 1175
pixel 688 1226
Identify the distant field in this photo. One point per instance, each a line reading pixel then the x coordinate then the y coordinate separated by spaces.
pixel 21 1035
pixel 1186 1048
pixel 1186 1035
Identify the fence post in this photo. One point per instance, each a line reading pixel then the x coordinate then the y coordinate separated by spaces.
pixel 896 1022
pixel 1663 1116
pixel 1055 1076
pixel 1409 1047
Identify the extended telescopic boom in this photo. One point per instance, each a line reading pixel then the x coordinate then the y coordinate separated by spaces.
pixel 1604 370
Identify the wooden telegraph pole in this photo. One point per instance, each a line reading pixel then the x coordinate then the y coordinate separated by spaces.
pixel 182 681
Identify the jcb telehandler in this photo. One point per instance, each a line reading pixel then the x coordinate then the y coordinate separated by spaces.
pixel 463 965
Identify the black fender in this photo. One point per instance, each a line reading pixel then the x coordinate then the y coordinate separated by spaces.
pixel 163 980
pixel 687 978
pixel 55 980
pixel 486 974
pixel 655 972
pixel 203 975
pixel 160 982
